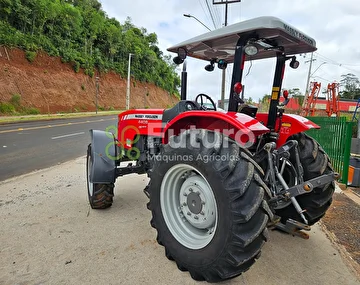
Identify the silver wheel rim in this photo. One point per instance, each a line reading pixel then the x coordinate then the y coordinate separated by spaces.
pixel 188 206
pixel 90 185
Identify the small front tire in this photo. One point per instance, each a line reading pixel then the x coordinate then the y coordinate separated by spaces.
pixel 100 195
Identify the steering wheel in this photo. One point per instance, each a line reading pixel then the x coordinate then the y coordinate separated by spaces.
pixel 201 103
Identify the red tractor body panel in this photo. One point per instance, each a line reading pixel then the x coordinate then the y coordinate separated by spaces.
pixel 147 122
pixel 290 125
pixel 240 127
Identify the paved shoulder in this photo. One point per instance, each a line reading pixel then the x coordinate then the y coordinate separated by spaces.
pixel 49 235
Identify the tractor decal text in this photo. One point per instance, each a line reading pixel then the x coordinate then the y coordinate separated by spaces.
pixel 298 35
pixel 143 116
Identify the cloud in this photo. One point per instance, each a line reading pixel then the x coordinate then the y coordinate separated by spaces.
pixel 332 24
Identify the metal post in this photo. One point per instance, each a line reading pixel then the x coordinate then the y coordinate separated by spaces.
pixel 145 94
pixel 222 101
pixel 309 74
pixel 224 70
pixel 347 150
pixel 97 93
pixel 226 13
pixel 183 82
pixel 128 85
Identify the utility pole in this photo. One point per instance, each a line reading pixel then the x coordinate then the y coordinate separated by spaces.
pixel 226 2
pixel 309 74
pixel 145 94
pixel 128 85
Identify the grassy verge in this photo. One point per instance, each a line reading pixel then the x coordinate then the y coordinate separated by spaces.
pixel 25 118
pixel 13 111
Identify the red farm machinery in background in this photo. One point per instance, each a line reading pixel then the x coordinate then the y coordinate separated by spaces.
pixel 313 104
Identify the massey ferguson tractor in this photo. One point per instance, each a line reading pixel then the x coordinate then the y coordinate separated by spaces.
pixel 220 179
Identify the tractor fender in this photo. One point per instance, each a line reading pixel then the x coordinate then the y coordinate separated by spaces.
pixel 104 156
pixel 240 127
pixel 291 124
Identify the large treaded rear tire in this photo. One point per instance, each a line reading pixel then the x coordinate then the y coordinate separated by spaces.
pixel 242 213
pixel 100 195
pixel 315 162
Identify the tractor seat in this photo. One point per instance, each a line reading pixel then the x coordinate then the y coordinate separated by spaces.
pixel 249 110
pixel 182 106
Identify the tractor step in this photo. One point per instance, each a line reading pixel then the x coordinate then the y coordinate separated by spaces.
pixel 294 228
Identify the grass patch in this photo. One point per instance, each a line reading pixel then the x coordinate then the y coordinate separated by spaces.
pixel 7 108
pixel 32 111
pixel 14 107
pixel 16 100
pixel 30 56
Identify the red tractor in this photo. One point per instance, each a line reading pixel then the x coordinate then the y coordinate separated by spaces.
pixel 219 179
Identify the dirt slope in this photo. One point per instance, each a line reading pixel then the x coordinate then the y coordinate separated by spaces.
pixel 53 86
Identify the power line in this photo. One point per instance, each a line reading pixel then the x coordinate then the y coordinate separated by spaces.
pixel 330 81
pixel 323 56
pixel 337 63
pixel 217 16
pixel 203 8
pixel 211 15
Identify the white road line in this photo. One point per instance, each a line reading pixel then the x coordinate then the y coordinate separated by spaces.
pixel 69 135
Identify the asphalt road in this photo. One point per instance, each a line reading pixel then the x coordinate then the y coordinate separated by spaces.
pixel 29 146
pixel 49 235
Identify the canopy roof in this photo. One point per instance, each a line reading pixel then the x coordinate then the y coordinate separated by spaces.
pixel 221 43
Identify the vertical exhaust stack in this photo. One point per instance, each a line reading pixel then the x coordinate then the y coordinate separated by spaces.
pixel 183 82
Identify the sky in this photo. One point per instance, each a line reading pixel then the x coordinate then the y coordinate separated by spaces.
pixel 333 24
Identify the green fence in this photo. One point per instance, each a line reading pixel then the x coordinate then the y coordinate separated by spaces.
pixel 335 138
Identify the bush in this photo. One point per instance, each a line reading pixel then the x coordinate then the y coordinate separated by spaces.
pixel 76 67
pixel 15 100
pixel 32 111
pixel 6 108
pixel 30 56
pixel 90 72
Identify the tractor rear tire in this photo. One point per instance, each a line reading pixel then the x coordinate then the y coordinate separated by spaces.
pixel 100 195
pixel 315 163
pixel 208 206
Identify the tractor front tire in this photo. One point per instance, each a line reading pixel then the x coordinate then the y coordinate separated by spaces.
pixel 208 205
pixel 100 195
pixel 315 163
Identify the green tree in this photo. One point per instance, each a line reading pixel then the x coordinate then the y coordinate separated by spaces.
pixel 81 33
pixel 351 85
pixel 264 103
pixel 297 95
